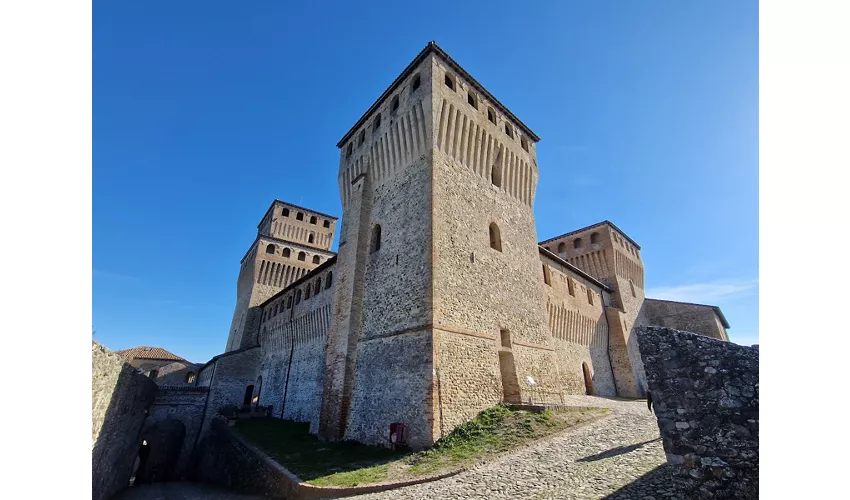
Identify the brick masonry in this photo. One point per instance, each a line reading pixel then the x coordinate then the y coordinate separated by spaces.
pixel 706 394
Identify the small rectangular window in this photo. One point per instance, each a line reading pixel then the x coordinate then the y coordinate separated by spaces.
pixel 450 83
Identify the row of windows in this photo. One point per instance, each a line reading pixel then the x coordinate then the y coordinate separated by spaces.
pixel 313 288
pixel 302 256
pixel 300 216
pixel 632 250
pixel 416 82
pixel 491 113
pixel 571 288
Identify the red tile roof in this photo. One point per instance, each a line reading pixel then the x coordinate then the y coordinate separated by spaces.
pixel 144 352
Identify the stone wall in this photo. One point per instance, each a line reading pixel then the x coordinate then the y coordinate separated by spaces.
pixel 185 405
pixel 232 373
pixel 705 393
pixel 228 461
pixel 120 402
pixel 694 318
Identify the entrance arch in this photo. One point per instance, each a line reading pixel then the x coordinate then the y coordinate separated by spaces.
pixel 159 451
pixel 588 379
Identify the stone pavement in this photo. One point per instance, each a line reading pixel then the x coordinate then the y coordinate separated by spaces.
pixel 181 491
pixel 617 457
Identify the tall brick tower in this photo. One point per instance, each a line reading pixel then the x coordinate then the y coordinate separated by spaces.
pixel 291 240
pixel 438 307
pixel 609 255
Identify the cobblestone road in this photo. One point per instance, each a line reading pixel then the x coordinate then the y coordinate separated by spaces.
pixel 181 491
pixel 616 457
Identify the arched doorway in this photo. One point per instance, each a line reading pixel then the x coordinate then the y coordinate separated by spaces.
pixel 588 379
pixel 249 392
pixel 159 452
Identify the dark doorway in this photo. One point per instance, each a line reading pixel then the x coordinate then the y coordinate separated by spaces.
pixel 510 385
pixel 160 451
pixel 249 391
pixel 588 379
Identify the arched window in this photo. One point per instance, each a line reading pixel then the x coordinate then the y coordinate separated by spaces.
pixel 270 249
pixel 286 252
pixel 285 212
pixel 349 150
pixel 471 100
pixel 577 243
pixel 307 291
pixel 571 287
pixel 362 138
pixel 495 237
pixel 299 216
pixel 594 238
pixel 153 373
pixel 289 302
pixel 316 259
pixel 330 281
pixel 547 278
pixel 249 391
pixel 523 143
pixel 394 105
pixel 509 131
pixel 297 296
pixel 590 296
pixel 450 83
pixel 377 124
pixel 318 287
pixel 310 238
pixel 302 256
pixel 376 238
pixel 562 249
pixel 327 223
pixel 491 115
pixel 416 81
pixel 313 219
pixel 190 378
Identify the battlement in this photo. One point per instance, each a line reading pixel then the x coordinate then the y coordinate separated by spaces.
pixel 290 222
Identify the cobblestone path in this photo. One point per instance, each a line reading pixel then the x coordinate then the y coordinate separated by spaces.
pixel 181 491
pixel 616 457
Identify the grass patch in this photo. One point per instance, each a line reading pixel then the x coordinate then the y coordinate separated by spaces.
pixel 494 431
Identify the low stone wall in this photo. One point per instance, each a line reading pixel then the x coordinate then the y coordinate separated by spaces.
pixel 225 459
pixel 705 394
pixel 120 402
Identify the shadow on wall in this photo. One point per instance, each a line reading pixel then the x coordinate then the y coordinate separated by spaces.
pixel 117 424
pixel 159 451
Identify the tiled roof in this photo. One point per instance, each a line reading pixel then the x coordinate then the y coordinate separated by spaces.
pixel 145 352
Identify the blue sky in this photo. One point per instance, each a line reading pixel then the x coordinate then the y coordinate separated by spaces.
pixel 204 112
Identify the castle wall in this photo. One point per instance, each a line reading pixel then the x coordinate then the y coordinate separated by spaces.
pixel 706 398
pixel 580 329
pixel 120 402
pixel 227 377
pixel 392 377
pixel 609 256
pixel 185 405
pixel 293 343
pixel 688 317
pixel 480 291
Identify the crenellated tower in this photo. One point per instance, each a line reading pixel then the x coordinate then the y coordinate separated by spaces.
pixel 609 255
pixel 291 240
pixel 438 310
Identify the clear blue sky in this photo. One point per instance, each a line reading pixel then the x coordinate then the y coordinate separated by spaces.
pixel 204 112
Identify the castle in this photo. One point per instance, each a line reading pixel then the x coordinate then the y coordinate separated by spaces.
pixel 441 302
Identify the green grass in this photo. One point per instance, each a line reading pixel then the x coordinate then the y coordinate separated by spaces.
pixel 493 431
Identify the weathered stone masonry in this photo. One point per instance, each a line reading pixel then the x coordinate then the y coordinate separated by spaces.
pixel 706 394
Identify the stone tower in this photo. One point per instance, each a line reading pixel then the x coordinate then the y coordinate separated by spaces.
pixel 291 240
pixel 609 255
pixel 438 302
